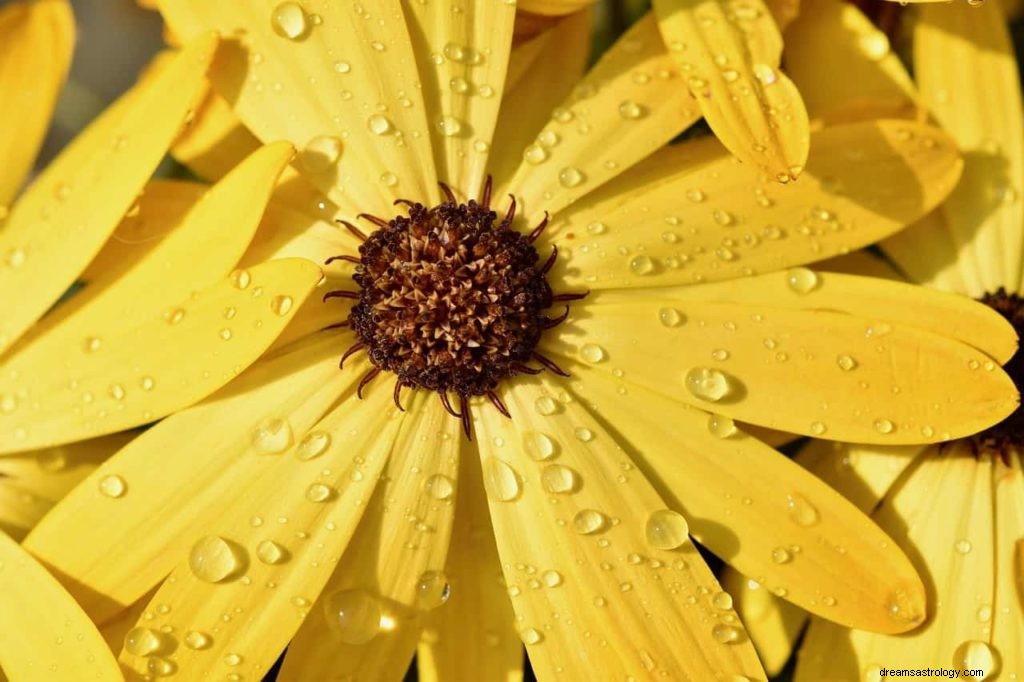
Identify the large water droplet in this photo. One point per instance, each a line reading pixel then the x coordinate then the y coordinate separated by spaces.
pixel 670 317
pixel 801 511
pixel 802 280
pixel 571 177
pixel 538 446
pixel 641 265
pixel 726 634
pixel 379 125
pixel 975 655
pixel 289 21
pixel 439 486
pixel 721 426
pixel 592 353
pixel 353 615
pixel 552 578
pixel 213 559
pixel 272 436
pixel 531 636
pixel 708 384
pixel 502 480
pixel 142 641
pixel 666 529
pixel 559 479
pixel 432 590
pixel 269 552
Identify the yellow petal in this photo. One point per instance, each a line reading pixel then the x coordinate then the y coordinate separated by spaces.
pixel 32 482
pixel 844 377
pixel 37 39
pixel 928 253
pixel 215 141
pixel 862 473
pixel 869 297
pixel 942 515
pixel 158 496
pixel 166 363
pixel 395 564
pixel 784 11
pixel 844 67
pixel 532 89
pixel 626 107
pixel 44 634
pixel 692 214
pixel 587 545
pixel 65 216
pixel 199 248
pixel 308 510
pixel 473 635
pixel 966 67
pixel 773 624
pixel 796 536
pixel 730 58
pixel 863 262
pixel 321 88
pixel 553 7
pixel 462 90
pixel 1008 606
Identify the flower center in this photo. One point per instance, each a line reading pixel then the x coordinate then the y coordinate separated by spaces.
pixel 451 299
pixel 1008 433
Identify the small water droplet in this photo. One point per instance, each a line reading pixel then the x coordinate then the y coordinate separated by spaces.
pixel 641 265
pixel 781 555
pixel 269 552
pixel 538 446
pixel 666 529
pixel 545 406
pixel 502 480
pixel 571 177
pixel 583 434
pixel 721 426
pixel 884 426
pixel 439 486
pixel 241 279
pixel 272 436
pixel 846 362
pixel 197 640
pixel 630 110
pixel 379 125
pixel 531 636
pixel 318 492
pixel 963 546
pixel 112 486
pixel 353 615
pixel 432 590
pixel 557 478
pixel 535 154
pixel 726 634
pixel 92 344
pixel 141 641
pixel 312 445
pixel 589 521
pixel 449 126
pixel 801 511
pixel 722 601
pixel 670 317
pixel 213 559
pixel 289 21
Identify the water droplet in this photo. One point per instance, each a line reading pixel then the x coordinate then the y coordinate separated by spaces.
pixel 92 344
pixel 641 265
pixel 818 428
pixel 15 257
pixel 801 511
pixel 538 446
pixel 449 126
pixel 670 317
pixel 708 384
pixel 571 177
pixel 146 383
pixel 353 615
pixel 559 479
pixel 502 480
pixel 592 353
pixel 846 362
pixel 342 67
pixel 545 406
pixel 233 659
pixel 781 555
pixel 722 601
pixel 721 426
pixel 963 546
pixel 975 655
pixel 589 521
pixel 197 640
pixel 874 44
pixel 112 486
pixel 312 445
pixel 535 154
pixel 272 436
pixel 723 218
pixel 597 228
pixel 765 74
pixel 552 578
pixel 142 641
pixel 726 634
pixel 213 559
pixel 531 636
pixel 884 426
pixel 289 21
pixel 630 110
pixel 583 434
pixel 116 391
pixel 241 279
pixel 318 492
pixel 802 280
pixel 269 552
pixel 379 125
pixel 432 590
pixel 439 486
pixel 666 529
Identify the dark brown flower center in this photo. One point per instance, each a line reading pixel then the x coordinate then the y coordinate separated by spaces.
pixel 451 299
pixel 1008 433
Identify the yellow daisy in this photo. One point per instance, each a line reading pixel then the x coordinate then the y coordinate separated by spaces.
pixel 957 507
pixel 299 506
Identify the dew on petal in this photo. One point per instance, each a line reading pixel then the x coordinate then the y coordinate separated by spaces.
pixel 213 559
pixel 666 529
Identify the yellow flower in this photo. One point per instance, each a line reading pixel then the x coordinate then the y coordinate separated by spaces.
pixel 957 508
pixel 283 510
